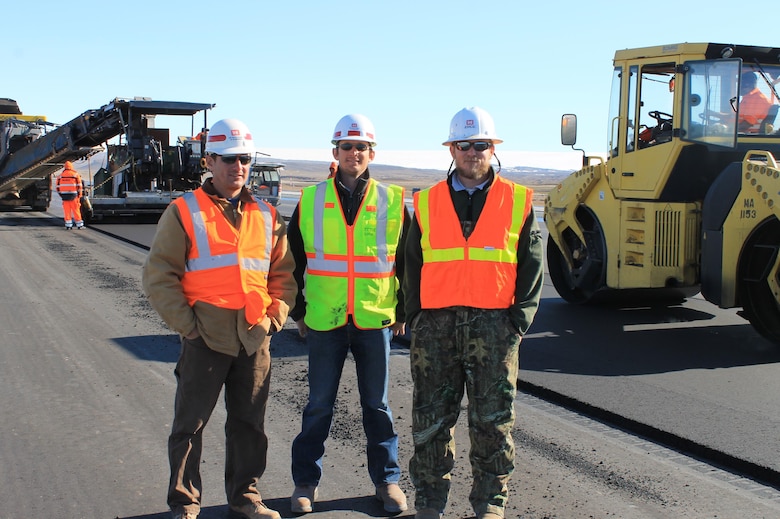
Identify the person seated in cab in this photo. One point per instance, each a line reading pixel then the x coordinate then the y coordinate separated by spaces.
pixel 754 105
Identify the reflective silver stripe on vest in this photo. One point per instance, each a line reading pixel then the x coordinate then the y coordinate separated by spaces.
pixel 68 185
pixel 206 260
pixel 259 264
pixel 383 264
pixel 379 265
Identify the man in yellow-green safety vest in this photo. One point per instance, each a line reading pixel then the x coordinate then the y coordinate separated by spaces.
pixel 347 237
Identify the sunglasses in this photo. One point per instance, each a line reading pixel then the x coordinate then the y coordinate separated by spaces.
pixel 231 159
pixel 478 146
pixel 346 146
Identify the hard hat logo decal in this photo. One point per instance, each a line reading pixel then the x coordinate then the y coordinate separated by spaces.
pixel 235 132
pixel 469 123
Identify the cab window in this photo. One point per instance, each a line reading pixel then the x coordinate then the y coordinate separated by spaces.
pixel 655 106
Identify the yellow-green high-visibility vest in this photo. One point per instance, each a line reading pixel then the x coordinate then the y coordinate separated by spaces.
pixel 350 269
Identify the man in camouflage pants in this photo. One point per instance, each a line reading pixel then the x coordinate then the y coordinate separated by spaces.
pixel 476 235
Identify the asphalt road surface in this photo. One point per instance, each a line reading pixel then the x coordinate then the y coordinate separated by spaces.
pixel 87 385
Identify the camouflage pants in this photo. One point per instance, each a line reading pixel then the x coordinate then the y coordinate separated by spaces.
pixel 452 350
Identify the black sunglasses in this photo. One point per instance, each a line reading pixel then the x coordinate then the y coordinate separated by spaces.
pixel 231 159
pixel 346 146
pixel 478 146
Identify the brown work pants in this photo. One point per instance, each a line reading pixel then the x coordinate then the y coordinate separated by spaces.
pixel 201 373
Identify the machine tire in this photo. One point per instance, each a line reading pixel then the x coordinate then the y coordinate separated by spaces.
pixel 759 261
pixel 566 281
pixel 561 275
pixel 580 284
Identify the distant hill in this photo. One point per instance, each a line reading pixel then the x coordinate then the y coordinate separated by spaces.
pixel 306 172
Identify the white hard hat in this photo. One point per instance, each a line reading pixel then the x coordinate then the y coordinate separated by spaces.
pixel 229 137
pixel 354 127
pixel 471 124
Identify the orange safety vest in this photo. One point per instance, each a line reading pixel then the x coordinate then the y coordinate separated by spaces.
pixel 481 271
pixel 69 185
pixel 227 267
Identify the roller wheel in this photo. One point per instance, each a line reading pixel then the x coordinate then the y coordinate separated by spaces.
pixel 759 280
pixel 579 284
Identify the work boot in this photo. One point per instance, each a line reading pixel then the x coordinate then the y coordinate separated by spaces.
pixel 392 497
pixel 428 513
pixel 302 499
pixel 183 514
pixel 255 510
pixel 490 515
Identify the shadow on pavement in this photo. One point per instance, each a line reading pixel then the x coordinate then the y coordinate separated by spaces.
pixel 159 348
pixel 619 340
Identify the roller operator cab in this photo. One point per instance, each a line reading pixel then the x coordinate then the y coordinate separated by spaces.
pixel 687 197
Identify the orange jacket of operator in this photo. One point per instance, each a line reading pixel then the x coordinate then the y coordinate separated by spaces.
pixel 480 271
pixel 69 185
pixel 227 267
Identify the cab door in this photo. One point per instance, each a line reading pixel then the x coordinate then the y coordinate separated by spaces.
pixel 650 125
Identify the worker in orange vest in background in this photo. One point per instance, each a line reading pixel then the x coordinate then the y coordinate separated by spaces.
pixel 333 168
pixel 70 190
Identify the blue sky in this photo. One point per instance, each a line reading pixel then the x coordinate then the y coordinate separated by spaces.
pixel 290 69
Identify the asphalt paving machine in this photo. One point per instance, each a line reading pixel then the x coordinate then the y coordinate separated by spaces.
pixel 142 172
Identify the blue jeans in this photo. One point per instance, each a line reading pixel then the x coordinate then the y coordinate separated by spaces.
pixel 327 352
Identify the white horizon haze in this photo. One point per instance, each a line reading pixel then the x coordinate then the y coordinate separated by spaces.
pixel 438 159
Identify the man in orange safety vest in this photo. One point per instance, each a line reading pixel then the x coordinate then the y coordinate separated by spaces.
pixel 472 285
pixel 70 190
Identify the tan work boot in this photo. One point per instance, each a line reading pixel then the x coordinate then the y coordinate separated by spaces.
pixel 427 513
pixel 183 514
pixel 255 510
pixel 490 515
pixel 302 499
pixel 392 497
